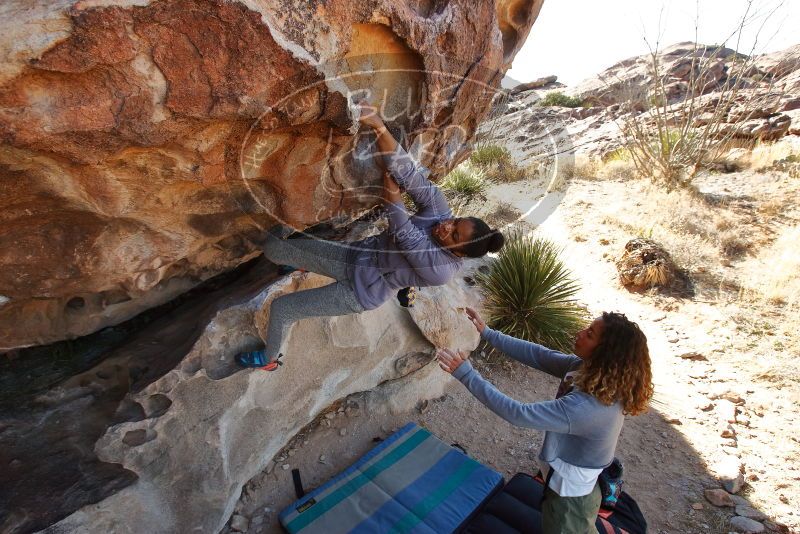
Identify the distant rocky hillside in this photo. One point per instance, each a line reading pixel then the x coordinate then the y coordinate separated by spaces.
pixel 592 129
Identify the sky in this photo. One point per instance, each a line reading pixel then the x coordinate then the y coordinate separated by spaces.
pixel 575 39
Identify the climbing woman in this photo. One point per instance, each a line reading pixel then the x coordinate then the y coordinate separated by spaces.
pixel 607 377
pixel 425 249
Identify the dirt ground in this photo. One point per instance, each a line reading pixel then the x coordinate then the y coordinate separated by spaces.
pixel 746 346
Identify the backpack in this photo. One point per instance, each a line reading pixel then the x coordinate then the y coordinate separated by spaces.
pixel 610 481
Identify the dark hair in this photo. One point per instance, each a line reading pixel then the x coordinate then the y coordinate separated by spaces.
pixel 484 239
pixel 619 367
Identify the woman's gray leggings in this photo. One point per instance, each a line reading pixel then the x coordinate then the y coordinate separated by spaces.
pixel 327 258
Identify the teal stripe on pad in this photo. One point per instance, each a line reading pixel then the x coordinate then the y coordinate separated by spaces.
pixel 359 480
pixel 425 507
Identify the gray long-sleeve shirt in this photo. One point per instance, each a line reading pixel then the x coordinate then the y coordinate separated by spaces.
pixel 405 254
pixel 579 429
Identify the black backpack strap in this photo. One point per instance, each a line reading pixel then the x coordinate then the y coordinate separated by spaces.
pixel 298 484
pixel 546 482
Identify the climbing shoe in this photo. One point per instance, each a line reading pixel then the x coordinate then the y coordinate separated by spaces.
pixel 258 359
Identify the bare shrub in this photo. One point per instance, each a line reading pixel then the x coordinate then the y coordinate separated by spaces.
pixel 618 169
pixel 557 98
pixel 671 140
pixel 732 244
pixel 503 214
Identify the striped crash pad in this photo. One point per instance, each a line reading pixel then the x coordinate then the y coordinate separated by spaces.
pixel 410 482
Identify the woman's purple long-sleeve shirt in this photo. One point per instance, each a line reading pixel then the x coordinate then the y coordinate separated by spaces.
pixel 405 254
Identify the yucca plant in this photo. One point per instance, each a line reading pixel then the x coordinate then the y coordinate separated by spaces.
pixel 465 181
pixel 488 154
pixel 530 294
pixel 497 163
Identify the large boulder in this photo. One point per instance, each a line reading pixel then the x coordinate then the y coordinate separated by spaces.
pixel 209 427
pixel 539 83
pixel 628 81
pixel 780 64
pixel 144 146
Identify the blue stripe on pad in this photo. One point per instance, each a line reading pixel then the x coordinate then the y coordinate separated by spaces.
pixel 461 502
pixel 361 462
pixel 386 516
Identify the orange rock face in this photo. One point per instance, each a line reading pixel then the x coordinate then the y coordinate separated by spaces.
pixel 144 147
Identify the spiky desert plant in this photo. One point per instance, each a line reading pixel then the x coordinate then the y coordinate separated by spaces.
pixel 530 294
pixel 489 154
pixel 465 181
pixel 497 163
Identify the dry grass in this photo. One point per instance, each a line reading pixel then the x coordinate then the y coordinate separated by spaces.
pixel 585 167
pixel 615 166
pixel 506 173
pixel 694 233
pixel 706 239
pixel 558 171
pixel 485 155
pixel 497 164
pixel 733 245
pixel 764 155
pixel 772 207
pixel 617 169
pixel 656 275
pixel 502 215
pixel 690 252
pixel 774 275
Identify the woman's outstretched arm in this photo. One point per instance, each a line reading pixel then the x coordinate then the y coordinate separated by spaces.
pixel 531 354
pixel 404 170
pixel 547 415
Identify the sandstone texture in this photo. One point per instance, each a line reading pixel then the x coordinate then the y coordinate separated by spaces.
pixel 206 427
pixel 144 146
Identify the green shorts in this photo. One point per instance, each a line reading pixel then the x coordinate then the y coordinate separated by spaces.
pixel 570 515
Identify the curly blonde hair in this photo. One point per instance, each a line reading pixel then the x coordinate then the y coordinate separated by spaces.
pixel 619 368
